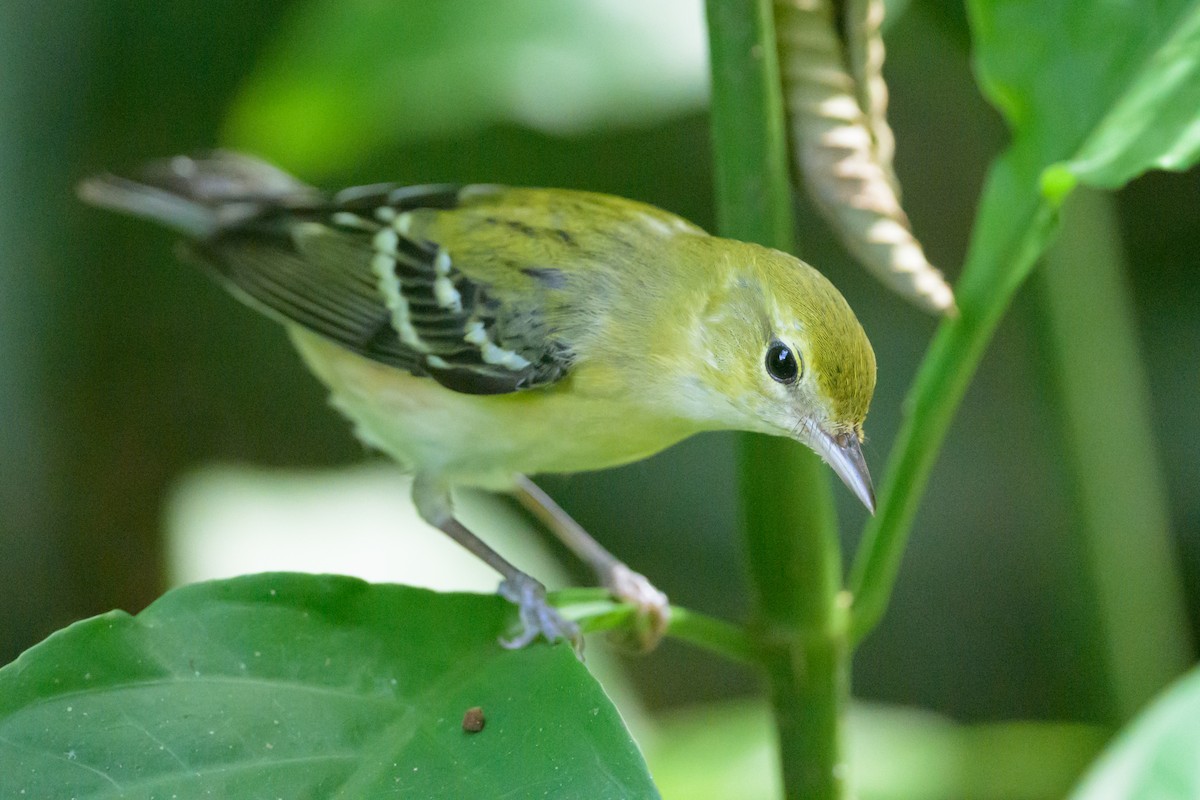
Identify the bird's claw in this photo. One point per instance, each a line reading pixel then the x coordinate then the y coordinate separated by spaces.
pixel 538 617
pixel 653 613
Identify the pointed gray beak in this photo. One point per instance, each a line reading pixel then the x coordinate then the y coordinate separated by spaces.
pixel 844 455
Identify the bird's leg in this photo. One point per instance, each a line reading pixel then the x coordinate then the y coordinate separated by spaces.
pixel 538 618
pixel 624 584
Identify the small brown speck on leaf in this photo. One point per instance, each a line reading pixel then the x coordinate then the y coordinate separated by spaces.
pixel 473 719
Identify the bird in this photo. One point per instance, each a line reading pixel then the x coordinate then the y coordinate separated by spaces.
pixel 481 334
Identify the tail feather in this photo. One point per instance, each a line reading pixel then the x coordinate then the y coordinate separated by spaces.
pixel 141 200
pixel 198 196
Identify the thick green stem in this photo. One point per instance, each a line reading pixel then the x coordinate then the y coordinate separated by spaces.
pixel 791 534
pixel 1102 394
pixel 754 197
pixel 795 565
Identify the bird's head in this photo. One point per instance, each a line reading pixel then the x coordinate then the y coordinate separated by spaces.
pixel 782 353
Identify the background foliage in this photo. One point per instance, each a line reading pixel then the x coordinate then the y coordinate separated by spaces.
pixel 115 379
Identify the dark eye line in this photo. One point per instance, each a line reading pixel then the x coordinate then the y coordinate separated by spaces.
pixel 783 364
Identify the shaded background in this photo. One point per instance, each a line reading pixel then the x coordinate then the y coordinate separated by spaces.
pixel 120 370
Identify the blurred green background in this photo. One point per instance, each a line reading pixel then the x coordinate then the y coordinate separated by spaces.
pixel 121 370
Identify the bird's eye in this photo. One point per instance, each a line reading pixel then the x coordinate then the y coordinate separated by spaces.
pixel 782 364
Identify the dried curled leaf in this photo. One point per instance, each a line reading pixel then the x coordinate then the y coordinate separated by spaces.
pixel 862 31
pixel 836 103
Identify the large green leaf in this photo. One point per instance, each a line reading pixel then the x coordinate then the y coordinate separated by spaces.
pixel 1157 757
pixel 1098 91
pixel 1109 88
pixel 347 77
pixel 285 685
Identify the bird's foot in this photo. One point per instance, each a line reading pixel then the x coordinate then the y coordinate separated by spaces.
pixel 653 610
pixel 538 617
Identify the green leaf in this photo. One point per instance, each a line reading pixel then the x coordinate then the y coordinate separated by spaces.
pixel 1156 756
pixel 285 685
pixel 348 77
pixel 1108 89
pixel 1068 76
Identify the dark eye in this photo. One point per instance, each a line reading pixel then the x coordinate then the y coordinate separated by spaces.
pixel 782 363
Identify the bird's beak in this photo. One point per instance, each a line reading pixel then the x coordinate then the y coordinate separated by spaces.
pixel 843 453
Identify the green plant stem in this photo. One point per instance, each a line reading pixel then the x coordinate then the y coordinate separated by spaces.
pixel 712 634
pixel 899 752
pixel 1093 361
pixel 795 564
pixel 1013 225
pixel 596 611
pixel 791 535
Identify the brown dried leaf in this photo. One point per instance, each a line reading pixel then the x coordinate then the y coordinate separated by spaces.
pixel 842 144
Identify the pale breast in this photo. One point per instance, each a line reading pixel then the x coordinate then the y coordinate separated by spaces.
pixel 483 440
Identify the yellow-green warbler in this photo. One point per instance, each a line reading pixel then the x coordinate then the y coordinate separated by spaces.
pixel 480 334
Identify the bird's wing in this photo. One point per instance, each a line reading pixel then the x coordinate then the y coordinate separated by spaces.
pixel 363 271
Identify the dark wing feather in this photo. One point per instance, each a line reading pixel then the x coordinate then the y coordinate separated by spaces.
pixel 345 270
pixel 278 278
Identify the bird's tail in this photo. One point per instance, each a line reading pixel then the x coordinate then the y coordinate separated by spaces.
pixel 198 196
